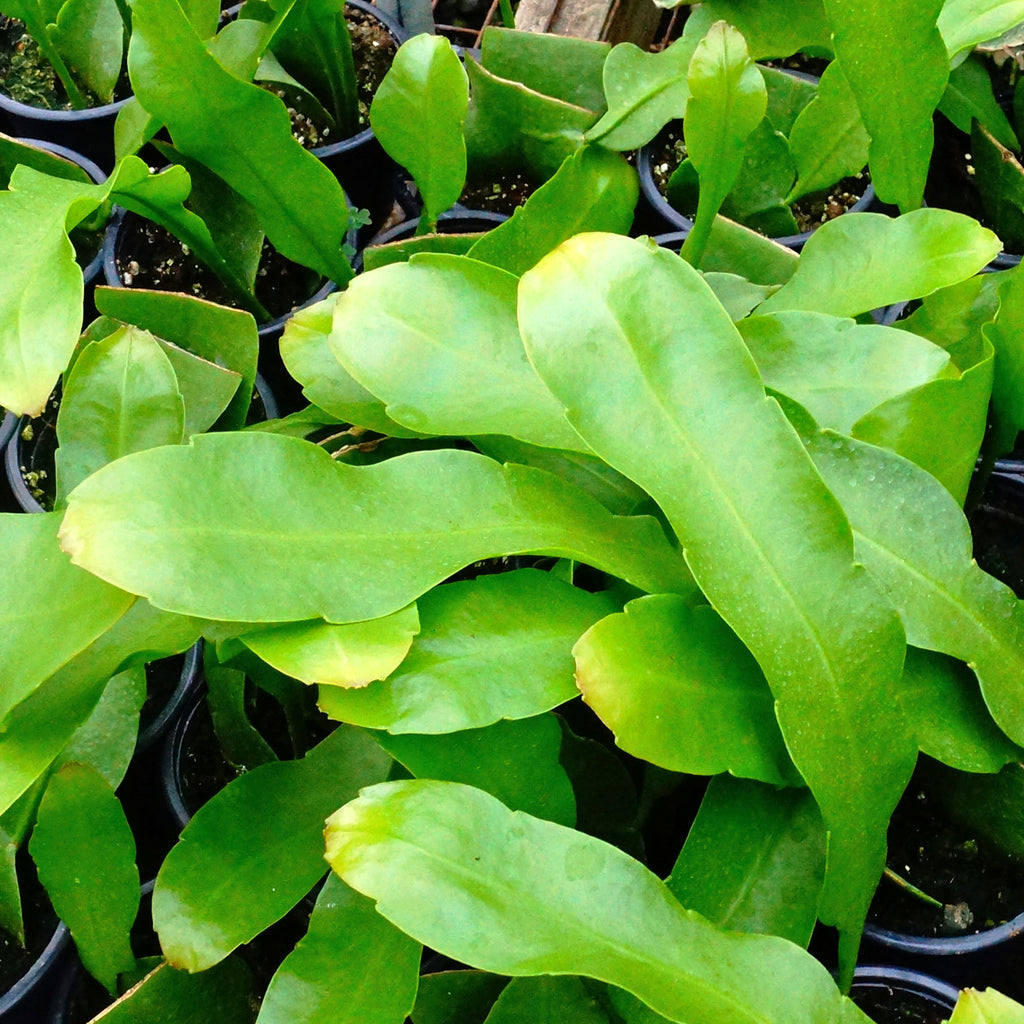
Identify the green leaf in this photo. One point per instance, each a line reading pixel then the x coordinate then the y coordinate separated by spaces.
pixel 37 730
pixel 436 339
pixel 620 333
pixel 966 23
pixel 775 28
pixel 90 37
pixel 594 190
pixel 986 1007
pixel 678 689
pixel 509 126
pixel 757 197
pixel 788 97
pixel 517 762
pixel 105 741
pixel 728 99
pixel 121 397
pixel 85 854
pixel 306 353
pixel 837 369
pixel 516 895
pixel 352 967
pixel 266 567
pixel 735 249
pixel 939 425
pixel 1000 178
pixel 495 647
pixel 226 337
pixel 770 880
pixel 255 849
pixel 913 538
pixel 241 743
pixel 14 151
pixel 1008 385
pixel 528 1000
pixel 456 997
pixel 828 140
pixel 561 66
pixel 351 654
pixel 222 993
pixel 736 294
pixel 239 131
pixel 969 97
pixel 882 260
pixel 400 250
pixel 418 114
pixel 59 610
pixel 644 91
pixel 947 711
pixel 314 45
pixel 895 62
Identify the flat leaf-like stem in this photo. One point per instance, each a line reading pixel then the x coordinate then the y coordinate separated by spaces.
pixel 301 536
pixel 513 894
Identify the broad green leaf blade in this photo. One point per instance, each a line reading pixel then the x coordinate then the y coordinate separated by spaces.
pixel 940 425
pixel 882 260
pixel 836 369
pixel 562 66
pixel 105 741
pixel 828 140
pixel 757 196
pixel 206 388
pixel 418 114
pixel 223 993
pixel 1005 334
pixel 509 125
pixel 645 91
pixel 594 190
pixel 400 250
pixel 60 609
pixel 84 851
pixel 770 878
pixel 239 740
pixel 306 353
pixel 679 690
pixel 515 895
pixel 437 340
pixel 11 917
pixel 774 28
pixel 915 541
pixel 735 249
pixel 122 396
pixel 623 334
pixel 728 99
pixel 456 997
pixel 517 762
pixel 349 654
pixel 239 131
pixel 949 716
pixel 255 849
pixel 895 62
pixel 566 998
pixel 788 96
pixel 38 729
pixel 966 23
pixel 352 967
pixel 986 1007
pixel 736 294
pixel 292 515
pixel 90 37
pixel 969 97
pixel 495 647
pixel 1000 178
pixel 14 151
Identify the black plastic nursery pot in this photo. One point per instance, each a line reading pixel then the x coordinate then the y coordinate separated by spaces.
pixel 896 995
pixel 27 974
pixel 655 215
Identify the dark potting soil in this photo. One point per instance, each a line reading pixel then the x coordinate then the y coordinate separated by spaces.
pixel 502 194
pixel 894 1006
pixel 27 76
pixel 40 924
pixel 979 886
pixel 668 151
pixel 997 525
pixel 150 257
